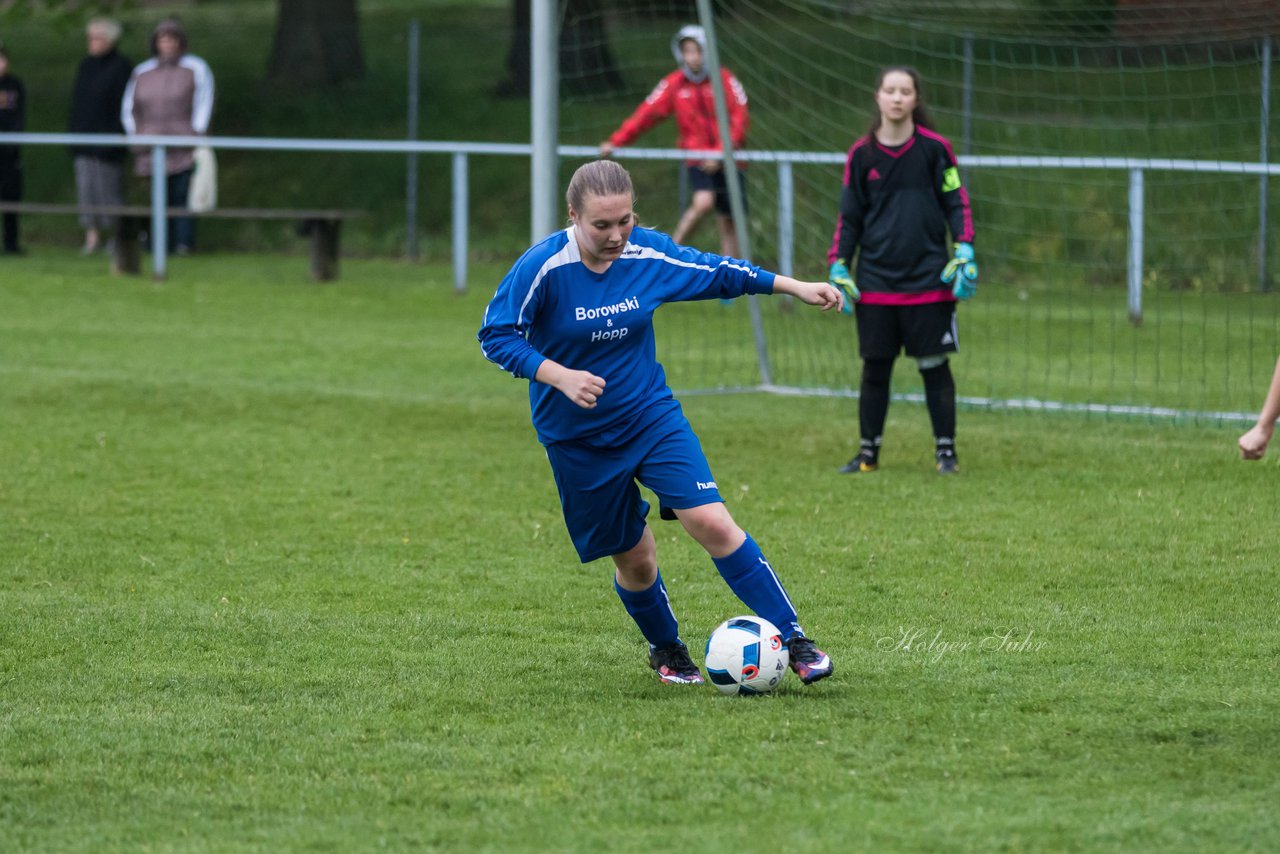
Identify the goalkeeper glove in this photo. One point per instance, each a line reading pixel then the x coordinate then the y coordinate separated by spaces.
pixel 963 271
pixel 839 276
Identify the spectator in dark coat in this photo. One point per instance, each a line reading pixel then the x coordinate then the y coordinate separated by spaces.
pixel 95 108
pixel 13 110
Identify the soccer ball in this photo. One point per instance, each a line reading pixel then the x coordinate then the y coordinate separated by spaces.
pixel 745 655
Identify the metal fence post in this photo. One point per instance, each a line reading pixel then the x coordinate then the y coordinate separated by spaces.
pixel 966 110
pixel 1136 214
pixel 682 189
pixel 159 215
pixel 411 167
pixel 460 222
pixel 1262 158
pixel 786 217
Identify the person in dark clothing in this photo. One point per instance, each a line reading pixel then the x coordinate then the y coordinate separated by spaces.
pixel 13 108
pixel 902 193
pixel 95 108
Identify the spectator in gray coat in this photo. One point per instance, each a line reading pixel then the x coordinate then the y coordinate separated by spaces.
pixel 171 94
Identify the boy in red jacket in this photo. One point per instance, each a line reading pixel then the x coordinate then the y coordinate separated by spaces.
pixel 687 93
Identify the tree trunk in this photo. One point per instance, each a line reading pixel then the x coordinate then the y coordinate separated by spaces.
pixel 516 83
pixel 586 60
pixel 316 45
pixel 587 63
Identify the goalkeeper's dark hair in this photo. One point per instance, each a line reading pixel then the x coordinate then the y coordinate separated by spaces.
pixel 598 178
pixel 920 116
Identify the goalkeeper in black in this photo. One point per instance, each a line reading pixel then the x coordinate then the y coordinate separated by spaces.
pixel 901 196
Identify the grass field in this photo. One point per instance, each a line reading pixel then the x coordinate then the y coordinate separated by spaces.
pixel 282 568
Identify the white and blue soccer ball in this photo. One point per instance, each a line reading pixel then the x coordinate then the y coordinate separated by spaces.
pixel 745 655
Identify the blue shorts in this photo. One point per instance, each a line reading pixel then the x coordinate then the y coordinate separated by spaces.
pixel 602 506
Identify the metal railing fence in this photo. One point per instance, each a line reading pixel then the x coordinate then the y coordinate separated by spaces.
pixel 460 152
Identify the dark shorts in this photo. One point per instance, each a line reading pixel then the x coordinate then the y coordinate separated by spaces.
pixel 921 330
pixel 10 180
pixel 700 179
pixel 602 506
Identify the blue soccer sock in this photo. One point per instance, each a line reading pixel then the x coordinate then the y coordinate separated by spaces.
pixel 753 580
pixel 652 612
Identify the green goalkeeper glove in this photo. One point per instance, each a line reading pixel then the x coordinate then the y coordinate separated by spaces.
pixel 839 276
pixel 963 271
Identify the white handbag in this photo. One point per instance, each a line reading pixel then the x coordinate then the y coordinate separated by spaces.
pixel 203 194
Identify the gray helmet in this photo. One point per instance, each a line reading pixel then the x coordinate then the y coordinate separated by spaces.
pixel 699 35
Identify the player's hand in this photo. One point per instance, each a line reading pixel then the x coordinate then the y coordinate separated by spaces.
pixel 582 387
pixel 822 294
pixel 961 272
pixel 839 277
pixel 1254 444
pixel 606 150
pixel 711 166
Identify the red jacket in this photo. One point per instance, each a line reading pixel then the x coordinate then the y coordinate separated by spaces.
pixel 694 105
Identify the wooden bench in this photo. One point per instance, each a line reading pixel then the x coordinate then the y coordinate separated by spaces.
pixel 323 226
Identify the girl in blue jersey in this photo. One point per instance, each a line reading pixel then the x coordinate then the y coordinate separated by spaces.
pixel 901 196
pixel 575 316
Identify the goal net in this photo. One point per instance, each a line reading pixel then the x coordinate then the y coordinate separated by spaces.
pixel 1120 156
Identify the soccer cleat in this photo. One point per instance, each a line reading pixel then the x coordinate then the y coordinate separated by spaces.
pixel 862 463
pixel 674 666
pixel 947 462
pixel 808 662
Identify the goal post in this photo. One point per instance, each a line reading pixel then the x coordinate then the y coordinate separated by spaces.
pixel 728 166
pixel 1015 91
pixel 544 76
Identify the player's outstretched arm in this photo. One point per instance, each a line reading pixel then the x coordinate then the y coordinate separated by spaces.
pixel 1254 443
pixel 582 387
pixel 821 294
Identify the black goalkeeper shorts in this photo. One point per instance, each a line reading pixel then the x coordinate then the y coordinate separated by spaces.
pixel 700 179
pixel 921 330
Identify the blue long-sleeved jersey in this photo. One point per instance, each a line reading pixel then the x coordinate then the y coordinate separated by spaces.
pixel 551 306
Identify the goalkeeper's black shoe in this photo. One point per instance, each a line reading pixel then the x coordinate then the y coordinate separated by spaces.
pixel 808 662
pixel 860 464
pixel 946 462
pixel 674 666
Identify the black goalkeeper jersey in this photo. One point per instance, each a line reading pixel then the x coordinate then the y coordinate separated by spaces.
pixel 895 210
